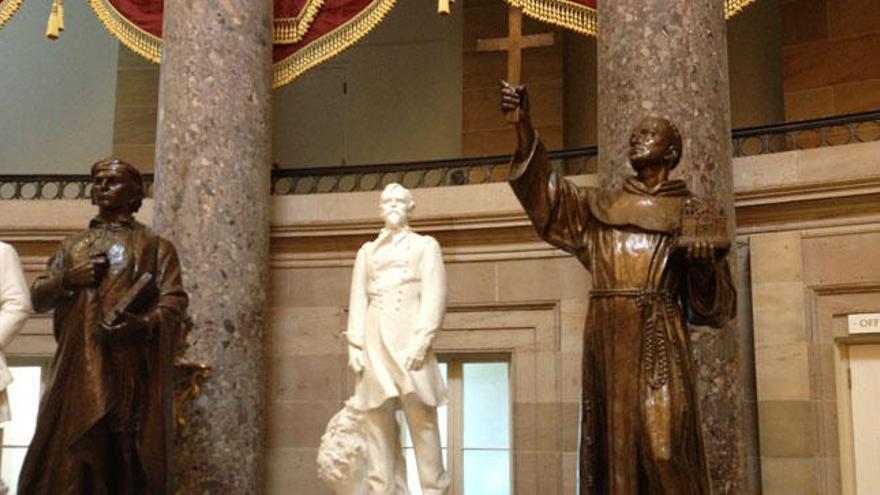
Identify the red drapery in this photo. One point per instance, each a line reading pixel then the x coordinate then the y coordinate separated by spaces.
pixel 306 32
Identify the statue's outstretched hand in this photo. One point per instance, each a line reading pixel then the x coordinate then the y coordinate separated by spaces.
pixel 355 359
pixel 513 98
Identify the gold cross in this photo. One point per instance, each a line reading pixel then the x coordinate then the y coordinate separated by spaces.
pixel 514 44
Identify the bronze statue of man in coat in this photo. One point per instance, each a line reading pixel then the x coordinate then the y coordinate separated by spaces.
pixel 640 418
pixel 104 423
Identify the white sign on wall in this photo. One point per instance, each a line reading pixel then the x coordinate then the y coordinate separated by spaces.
pixel 864 323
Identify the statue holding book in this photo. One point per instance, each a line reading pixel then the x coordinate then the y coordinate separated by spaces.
pixel 104 424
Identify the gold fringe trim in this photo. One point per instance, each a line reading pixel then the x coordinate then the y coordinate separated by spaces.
pixel 8 8
pixel 583 19
pixel 289 30
pixel 332 43
pixel 570 15
pixel 733 7
pixel 135 38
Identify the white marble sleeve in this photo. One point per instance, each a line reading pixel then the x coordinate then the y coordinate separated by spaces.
pixel 15 301
pixel 433 293
pixel 357 303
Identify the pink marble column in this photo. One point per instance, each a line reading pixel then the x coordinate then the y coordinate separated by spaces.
pixel 669 58
pixel 212 200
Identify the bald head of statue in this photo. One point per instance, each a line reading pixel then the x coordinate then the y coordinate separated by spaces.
pixel 655 141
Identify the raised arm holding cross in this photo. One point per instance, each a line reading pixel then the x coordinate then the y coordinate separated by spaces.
pixel 514 44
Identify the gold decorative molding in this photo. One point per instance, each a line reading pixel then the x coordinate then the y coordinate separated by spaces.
pixel 570 15
pixel 189 378
pixel 8 8
pixel 733 7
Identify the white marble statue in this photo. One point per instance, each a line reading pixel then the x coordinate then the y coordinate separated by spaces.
pixel 398 298
pixel 15 306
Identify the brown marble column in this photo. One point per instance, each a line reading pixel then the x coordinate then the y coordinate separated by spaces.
pixel 669 58
pixel 212 201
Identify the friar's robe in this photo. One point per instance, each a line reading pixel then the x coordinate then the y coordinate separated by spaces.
pixel 101 387
pixel 640 422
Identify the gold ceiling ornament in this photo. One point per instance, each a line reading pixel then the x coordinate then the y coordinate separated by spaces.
pixel 332 43
pixel 443 7
pixel 8 9
pixel 289 30
pixel 56 20
pixel 135 38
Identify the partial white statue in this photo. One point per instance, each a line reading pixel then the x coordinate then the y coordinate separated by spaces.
pixel 398 299
pixel 15 306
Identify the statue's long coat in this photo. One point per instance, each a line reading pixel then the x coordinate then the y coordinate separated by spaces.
pixel 398 299
pixel 69 451
pixel 640 420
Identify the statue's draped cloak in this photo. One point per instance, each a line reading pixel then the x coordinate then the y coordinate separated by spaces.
pixel 94 384
pixel 640 421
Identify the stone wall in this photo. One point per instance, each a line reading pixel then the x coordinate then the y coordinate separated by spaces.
pixel 808 269
pixel 827 57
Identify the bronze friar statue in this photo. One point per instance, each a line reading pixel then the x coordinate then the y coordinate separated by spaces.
pixel 104 423
pixel 640 420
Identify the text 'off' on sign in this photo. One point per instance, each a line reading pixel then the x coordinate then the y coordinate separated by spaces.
pixel 864 323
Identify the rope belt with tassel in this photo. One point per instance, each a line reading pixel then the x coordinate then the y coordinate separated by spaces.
pixel 657 306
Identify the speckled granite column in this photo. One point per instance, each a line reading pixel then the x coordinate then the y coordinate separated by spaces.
pixel 669 58
pixel 212 201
